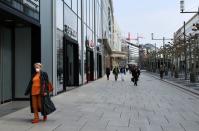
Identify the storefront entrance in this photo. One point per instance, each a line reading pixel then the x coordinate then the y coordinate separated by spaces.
pixel 71 63
pixel 20 47
pixel 89 65
pixel 99 65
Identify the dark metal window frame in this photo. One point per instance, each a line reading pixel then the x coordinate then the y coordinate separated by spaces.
pixel 23 5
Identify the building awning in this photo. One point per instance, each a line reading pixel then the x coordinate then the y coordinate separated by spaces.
pixel 119 54
pixel 132 63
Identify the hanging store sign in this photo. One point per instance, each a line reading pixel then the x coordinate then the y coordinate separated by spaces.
pixel 32 3
pixel 68 31
pixel 90 43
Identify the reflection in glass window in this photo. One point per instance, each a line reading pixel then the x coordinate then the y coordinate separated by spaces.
pixel 60 65
pixel 80 50
pixel 89 34
pixel 70 20
pixel 79 8
pixel 98 22
pixel 85 9
pixel 68 2
pixel 59 14
pixel 74 6
pixel 79 34
pixel 88 12
pixel 84 54
pixel 91 14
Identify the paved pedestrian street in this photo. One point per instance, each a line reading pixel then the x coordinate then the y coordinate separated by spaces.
pixel 104 105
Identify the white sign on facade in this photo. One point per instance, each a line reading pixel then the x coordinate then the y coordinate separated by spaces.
pixel 32 3
pixel 68 31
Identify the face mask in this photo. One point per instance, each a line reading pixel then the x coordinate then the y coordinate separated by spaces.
pixel 37 69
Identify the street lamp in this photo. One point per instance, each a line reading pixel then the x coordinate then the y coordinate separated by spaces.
pixel 182 8
pixel 185 51
pixel 181 5
pixel 163 39
pixel 195 48
pixel 155 58
pixel 172 52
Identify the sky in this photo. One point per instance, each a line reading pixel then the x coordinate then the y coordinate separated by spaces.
pixel 143 17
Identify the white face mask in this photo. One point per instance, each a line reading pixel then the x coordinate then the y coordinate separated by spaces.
pixel 37 70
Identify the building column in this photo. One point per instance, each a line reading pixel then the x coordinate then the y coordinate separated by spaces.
pixel 54 50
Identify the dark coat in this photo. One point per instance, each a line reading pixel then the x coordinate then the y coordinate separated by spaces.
pixel 135 74
pixel 108 71
pixel 45 100
pixel 122 70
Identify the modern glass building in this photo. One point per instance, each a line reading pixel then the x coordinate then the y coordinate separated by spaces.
pixel 70 37
pixel 83 29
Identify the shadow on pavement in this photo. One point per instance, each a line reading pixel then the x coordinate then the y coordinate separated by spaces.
pixel 13 106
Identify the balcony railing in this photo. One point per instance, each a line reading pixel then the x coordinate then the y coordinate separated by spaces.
pixel 30 8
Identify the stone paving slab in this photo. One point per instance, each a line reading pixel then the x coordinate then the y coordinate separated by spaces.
pixel 180 82
pixel 104 105
pixel 13 106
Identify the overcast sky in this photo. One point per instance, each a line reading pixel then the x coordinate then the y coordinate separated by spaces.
pixel 162 17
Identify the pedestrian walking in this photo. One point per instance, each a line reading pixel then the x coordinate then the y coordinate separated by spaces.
pixel 173 71
pixel 127 68
pixel 122 72
pixel 161 71
pixel 116 72
pixel 108 70
pixel 39 88
pixel 135 75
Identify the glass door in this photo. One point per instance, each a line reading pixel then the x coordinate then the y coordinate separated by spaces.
pixel 70 64
pixel 76 64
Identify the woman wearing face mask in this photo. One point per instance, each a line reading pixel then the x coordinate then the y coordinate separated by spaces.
pixel 38 89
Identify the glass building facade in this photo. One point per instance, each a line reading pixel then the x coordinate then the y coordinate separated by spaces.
pixel 82 26
pixel 69 37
